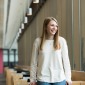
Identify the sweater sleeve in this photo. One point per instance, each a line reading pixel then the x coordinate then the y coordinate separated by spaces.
pixel 66 62
pixel 33 65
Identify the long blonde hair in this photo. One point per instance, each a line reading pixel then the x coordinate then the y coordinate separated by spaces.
pixel 44 33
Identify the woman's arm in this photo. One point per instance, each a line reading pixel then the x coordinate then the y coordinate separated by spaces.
pixel 66 62
pixel 33 66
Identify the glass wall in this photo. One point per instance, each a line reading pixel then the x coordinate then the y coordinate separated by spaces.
pixel 82 32
pixel 78 34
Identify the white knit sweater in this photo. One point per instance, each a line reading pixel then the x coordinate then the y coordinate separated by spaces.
pixel 49 65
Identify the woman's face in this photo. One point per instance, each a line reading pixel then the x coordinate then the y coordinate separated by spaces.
pixel 52 28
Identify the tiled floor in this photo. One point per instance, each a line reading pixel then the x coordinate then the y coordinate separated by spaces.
pixel 2 79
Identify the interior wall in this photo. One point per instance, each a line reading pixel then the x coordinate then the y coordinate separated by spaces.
pixel 76 39
pixel 82 27
pixel 78 31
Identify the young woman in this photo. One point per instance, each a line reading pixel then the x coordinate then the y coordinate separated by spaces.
pixel 50 61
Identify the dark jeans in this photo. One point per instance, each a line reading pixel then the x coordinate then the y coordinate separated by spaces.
pixel 56 83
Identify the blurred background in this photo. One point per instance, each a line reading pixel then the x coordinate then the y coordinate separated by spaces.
pixel 21 22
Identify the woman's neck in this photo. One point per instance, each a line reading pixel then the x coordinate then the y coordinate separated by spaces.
pixel 49 37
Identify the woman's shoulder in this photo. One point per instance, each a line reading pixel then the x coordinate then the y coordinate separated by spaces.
pixel 62 40
pixel 37 40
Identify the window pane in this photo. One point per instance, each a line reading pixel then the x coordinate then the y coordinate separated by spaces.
pixel 12 52
pixel 16 51
pixel 5 58
pixel 16 58
pixel 11 58
pixel 5 51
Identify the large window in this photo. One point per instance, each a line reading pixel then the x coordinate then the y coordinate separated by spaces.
pixel 10 57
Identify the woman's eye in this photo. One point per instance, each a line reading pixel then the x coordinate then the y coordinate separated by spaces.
pixel 52 25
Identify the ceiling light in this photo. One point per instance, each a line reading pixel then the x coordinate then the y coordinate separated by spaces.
pixel 22 26
pixel 29 11
pixel 35 1
pixel 20 30
pixel 25 20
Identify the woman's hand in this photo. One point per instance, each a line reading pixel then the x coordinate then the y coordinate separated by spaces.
pixel 68 83
pixel 33 83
